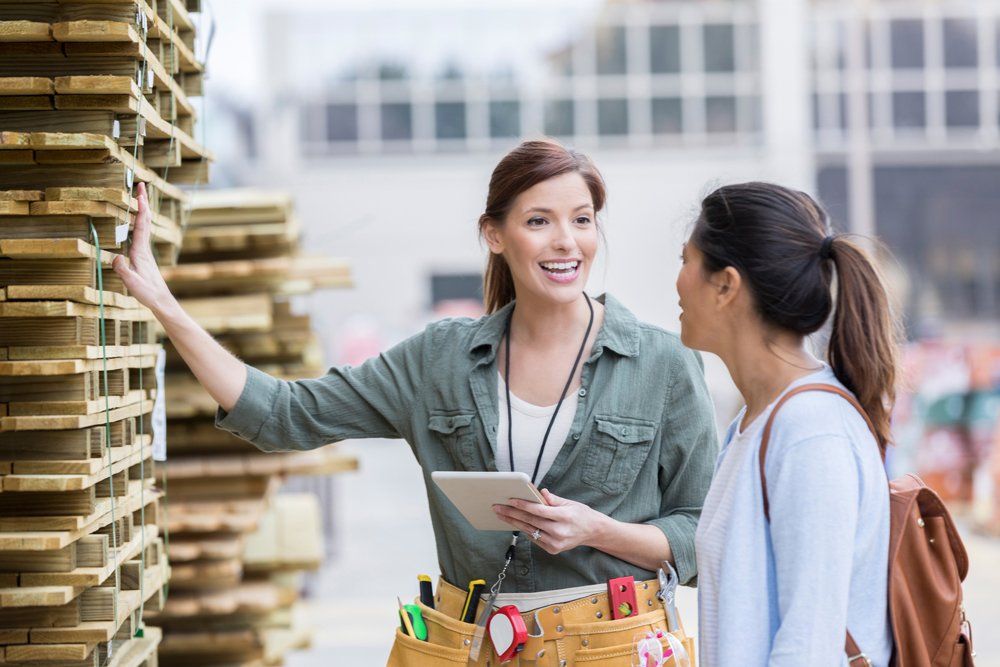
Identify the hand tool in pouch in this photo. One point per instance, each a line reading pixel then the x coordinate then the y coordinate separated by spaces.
pixel 476 587
pixel 412 621
pixel 667 595
pixel 426 592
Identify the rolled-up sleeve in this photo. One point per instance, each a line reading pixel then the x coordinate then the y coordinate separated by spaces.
pixel 688 452
pixel 372 400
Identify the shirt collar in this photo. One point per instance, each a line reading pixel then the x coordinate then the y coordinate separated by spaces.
pixel 619 334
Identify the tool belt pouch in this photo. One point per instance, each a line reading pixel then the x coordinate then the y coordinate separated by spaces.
pixel 576 632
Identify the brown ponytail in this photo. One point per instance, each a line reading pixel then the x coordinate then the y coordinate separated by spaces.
pixel 863 350
pixel 779 240
pixel 531 163
pixel 498 284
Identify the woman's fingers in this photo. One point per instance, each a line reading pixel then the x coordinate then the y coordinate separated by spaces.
pixel 508 512
pixel 141 232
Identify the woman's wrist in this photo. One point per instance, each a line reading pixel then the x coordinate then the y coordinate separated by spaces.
pixel 602 532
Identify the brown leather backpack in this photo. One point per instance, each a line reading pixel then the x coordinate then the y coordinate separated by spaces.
pixel 927 564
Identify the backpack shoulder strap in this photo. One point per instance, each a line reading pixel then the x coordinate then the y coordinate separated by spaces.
pixel 766 436
pixel 854 653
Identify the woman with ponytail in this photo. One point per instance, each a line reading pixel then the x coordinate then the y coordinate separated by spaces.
pixel 609 416
pixel 792 543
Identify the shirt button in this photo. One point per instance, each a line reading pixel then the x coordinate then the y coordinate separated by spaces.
pixel 524 570
pixel 625 432
pixel 576 436
pixel 582 392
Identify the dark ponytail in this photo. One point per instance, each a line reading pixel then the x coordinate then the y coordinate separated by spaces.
pixel 531 163
pixel 863 350
pixel 780 242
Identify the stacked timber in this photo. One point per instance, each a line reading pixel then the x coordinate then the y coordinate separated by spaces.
pixel 238 274
pixel 94 97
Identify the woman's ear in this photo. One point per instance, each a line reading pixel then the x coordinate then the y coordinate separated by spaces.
pixel 729 284
pixel 493 236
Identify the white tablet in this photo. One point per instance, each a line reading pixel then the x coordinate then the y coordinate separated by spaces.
pixel 475 494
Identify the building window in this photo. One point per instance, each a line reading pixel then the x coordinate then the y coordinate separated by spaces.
pixel 456 287
pixel 612 117
pixel 664 49
pixel 907 37
pixel 960 44
pixel 341 122
pixel 719 49
pixel 449 120
pixel 909 110
pixel 559 118
pixel 611 57
pixel 505 119
pixel 962 108
pixel 720 114
pixel 668 115
pixel 397 122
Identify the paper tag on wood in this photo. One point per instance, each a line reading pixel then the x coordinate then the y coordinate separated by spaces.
pixel 121 233
pixel 142 126
pixel 116 129
pixel 129 176
pixel 160 411
pixel 149 79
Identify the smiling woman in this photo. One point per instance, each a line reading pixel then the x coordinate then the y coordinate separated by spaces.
pixel 610 415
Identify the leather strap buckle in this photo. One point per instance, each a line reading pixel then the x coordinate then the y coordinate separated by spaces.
pixel 860 656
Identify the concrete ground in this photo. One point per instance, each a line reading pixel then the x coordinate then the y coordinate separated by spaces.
pixel 384 540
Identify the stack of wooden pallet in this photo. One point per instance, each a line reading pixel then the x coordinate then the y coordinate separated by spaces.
pixel 237 274
pixel 94 96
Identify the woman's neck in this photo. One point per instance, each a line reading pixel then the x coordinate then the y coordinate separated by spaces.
pixel 541 323
pixel 762 367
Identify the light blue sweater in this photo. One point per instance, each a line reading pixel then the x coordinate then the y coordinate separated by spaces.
pixel 781 594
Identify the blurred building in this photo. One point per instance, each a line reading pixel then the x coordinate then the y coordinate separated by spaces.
pixel 386 126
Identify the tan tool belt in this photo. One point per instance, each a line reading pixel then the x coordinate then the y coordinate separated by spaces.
pixel 576 632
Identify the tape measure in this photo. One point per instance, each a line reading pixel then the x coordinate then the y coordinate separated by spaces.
pixel 508 634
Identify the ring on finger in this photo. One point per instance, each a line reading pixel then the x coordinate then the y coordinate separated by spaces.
pixel 535 535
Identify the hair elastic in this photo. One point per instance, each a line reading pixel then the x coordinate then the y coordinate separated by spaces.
pixel 826 248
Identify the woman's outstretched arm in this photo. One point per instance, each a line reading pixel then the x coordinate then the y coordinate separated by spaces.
pixel 221 373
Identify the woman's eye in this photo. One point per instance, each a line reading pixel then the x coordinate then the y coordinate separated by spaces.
pixel 536 222
pixel 583 220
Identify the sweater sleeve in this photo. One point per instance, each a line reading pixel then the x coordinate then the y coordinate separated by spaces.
pixel 814 496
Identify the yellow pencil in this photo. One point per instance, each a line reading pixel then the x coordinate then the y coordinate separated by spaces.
pixel 406 619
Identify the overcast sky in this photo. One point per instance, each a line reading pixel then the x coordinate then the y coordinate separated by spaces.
pixel 236 60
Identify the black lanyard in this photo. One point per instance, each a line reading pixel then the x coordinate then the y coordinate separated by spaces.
pixel 562 397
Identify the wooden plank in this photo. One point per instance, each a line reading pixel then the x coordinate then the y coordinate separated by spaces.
pixel 47 652
pixel 21 196
pixel 26 85
pixel 94 31
pixel 24 31
pixel 97 84
pixel 117 196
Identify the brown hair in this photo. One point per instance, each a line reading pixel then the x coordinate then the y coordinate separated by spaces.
pixel 779 240
pixel 531 163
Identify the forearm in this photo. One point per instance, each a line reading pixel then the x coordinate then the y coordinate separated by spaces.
pixel 221 373
pixel 637 543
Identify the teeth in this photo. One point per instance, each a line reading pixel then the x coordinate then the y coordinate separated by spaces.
pixel 560 266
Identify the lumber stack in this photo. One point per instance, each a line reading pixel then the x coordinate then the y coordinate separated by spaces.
pixel 238 274
pixel 94 97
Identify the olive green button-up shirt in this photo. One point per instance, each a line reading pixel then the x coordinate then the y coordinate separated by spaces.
pixel 641 448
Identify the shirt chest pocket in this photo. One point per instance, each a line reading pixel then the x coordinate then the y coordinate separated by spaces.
pixel 456 431
pixel 618 449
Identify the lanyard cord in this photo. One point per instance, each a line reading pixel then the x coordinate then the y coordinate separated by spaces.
pixel 562 397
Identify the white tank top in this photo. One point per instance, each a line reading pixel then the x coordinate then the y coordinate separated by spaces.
pixel 530 422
